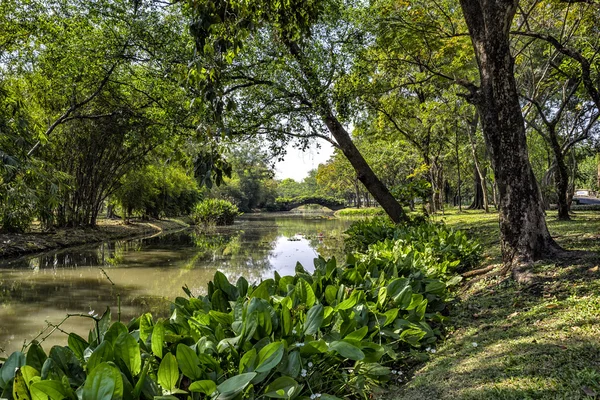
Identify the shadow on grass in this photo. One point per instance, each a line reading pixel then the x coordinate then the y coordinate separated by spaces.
pixel 512 342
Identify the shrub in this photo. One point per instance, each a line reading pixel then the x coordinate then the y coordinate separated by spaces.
pixel 434 248
pixel 357 212
pixel 215 212
pixel 338 332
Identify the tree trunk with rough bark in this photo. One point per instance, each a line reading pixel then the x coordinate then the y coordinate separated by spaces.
pixel 364 172
pixel 324 110
pixel 523 230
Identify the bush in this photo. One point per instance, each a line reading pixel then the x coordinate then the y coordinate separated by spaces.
pixel 215 212
pixel 339 332
pixel 434 248
pixel 358 212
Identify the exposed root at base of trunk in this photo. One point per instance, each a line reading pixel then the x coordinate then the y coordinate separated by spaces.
pixel 479 271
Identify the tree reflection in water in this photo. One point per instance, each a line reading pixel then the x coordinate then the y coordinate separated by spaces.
pixel 149 273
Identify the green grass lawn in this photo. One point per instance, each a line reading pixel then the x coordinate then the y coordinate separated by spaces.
pixel 514 342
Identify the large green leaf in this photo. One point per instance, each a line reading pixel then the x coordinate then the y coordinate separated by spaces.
pixel 20 388
pixel 7 372
pixel 314 319
pixel 283 387
pixel 205 386
pixel 146 326
pixel 347 350
pixel 269 356
pixel 102 353
pixel 188 362
pixel 158 337
pixel 168 372
pixel 105 382
pixel 128 350
pixel 234 385
pixel 35 356
pixel 77 344
pixel 52 390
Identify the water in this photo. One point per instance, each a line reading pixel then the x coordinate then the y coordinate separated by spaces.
pixel 148 273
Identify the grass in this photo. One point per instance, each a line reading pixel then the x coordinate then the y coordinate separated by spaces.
pixel 360 212
pixel 536 342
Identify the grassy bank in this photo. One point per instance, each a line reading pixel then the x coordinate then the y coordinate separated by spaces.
pixel 13 245
pixel 513 342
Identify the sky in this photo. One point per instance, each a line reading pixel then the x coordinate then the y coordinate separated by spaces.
pixel 296 163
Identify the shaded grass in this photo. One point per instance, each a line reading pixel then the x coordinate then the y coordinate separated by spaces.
pixel 536 342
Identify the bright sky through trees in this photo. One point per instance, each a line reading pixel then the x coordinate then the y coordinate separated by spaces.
pixel 297 163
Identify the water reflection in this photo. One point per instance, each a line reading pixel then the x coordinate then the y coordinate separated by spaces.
pixel 148 273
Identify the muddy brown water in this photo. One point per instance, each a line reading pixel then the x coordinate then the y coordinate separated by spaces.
pixel 147 274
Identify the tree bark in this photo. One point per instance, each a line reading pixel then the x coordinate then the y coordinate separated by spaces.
pixel 364 172
pixel 477 203
pixel 480 183
pixel 523 230
pixel 324 110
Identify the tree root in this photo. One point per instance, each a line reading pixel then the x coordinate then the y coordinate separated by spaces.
pixel 479 271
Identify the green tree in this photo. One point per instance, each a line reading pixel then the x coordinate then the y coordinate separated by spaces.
pixel 271 69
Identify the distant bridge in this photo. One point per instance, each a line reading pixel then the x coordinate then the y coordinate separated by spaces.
pixel 287 204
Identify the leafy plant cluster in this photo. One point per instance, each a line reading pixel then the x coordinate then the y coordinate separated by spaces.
pixel 155 191
pixel 433 248
pixel 214 212
pixel 334 333
pixel 356 212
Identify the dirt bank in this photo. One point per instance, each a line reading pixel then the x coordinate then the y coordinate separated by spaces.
pixel 13 245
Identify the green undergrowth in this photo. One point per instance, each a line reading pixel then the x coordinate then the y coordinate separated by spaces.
pixel 345 330
pixel 540 341
pixel 214 212
pixel 360 212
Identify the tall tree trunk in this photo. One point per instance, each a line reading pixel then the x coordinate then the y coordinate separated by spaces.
pixel 561 178
pixel 523 230
pixel 477 203
pixel 473 123
pixel 325 111
pixel 364 172
pixel 458 169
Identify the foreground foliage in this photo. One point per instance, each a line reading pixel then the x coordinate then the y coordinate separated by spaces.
pixel 337 332
pixel 434 248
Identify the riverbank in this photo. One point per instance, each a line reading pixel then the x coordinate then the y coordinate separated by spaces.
pixel 509 341
pixel 14 245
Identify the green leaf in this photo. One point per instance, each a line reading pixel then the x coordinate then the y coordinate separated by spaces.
pixel 205 386
pixel 146 326
pixel 29 373
pixel 77 344
pixel 234 385
pixel 168 372
pixel 283 387
pixel 52 390
pixel 269 356
pixel 347 350
pixel 36 356
pixel 20 388
pixel 188 362
pixel 128 350
pixel 248 361
pixel 104 383
pixel 102 353
pixel 358 334
pixel 158 337
pixel 401 292
pixel 314 319
pixel 7 372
